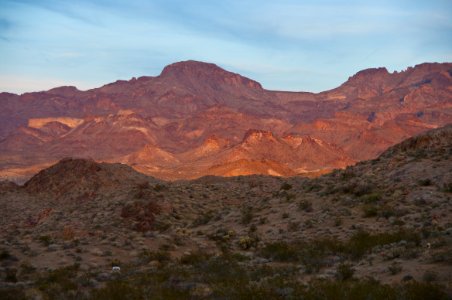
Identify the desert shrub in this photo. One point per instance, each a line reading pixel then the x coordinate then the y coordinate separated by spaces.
pixel 59 282
pixel 398 222
pixel 444 256
pixel 246 215
pixel 45 240
pixel 4 254
pixel 263 220
pixel 369 211
pixel 280 251
pixel 143 185
pixel 362 189
pixel 371 198
pixel 361 242
pixel 419 290
pixel 13 294
pixel 313 187
pixel 344 272
pixel 305 205
pixel 293 226
pixel 11 275
pixel 447 187
pixel 285 186
pixel 368 289
pixel 386 212
pixel 347 174
pixel 309 223
pixel 159 187
pixel 26 268
pixel 312 255
pixel 162 256
pixel 395 268
pixel 430 276
pixel 247 242
pixel 142 214
pixel 425 182
pixel 226 278
pixel 203 219
pixel 289 197
pixel 372 289
pixel 222 235
pixel 117 290
pixel 194 258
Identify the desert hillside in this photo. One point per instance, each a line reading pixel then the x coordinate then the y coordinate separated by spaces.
pixel 381 228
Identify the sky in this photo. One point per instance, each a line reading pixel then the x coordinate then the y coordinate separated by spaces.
pixel 296 45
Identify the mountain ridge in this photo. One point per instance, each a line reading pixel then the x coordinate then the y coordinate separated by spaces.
pixel 179 110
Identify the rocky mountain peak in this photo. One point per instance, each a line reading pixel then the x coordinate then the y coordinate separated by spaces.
pixel 196 70
pixel 255 135
pixel 64 91
pixel 369 74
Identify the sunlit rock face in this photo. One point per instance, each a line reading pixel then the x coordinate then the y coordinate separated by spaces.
pixel 197 119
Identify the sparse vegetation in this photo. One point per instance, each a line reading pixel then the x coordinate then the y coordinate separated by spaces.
pixel 395 268
pixel 238 238
pixel 247 215
pixel 286 186
pixel 344 272
pixel 305 205
pixel 425 182
pixel 45 240
pixel 370 211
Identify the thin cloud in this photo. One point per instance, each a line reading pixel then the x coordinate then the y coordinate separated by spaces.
pixel 288 44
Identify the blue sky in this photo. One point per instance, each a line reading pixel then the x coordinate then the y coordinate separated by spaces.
pixel 286 45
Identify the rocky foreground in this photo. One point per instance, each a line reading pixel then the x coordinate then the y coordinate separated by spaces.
pixel 381 229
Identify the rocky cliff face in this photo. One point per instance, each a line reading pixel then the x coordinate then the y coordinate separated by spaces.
pixel 164 125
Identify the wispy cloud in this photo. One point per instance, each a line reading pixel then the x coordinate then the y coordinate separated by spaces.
pixel 23 83
pixel 312 44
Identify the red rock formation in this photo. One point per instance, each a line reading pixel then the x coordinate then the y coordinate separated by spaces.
pixel 164 125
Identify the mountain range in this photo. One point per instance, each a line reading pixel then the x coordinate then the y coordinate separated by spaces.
pixel 197 119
